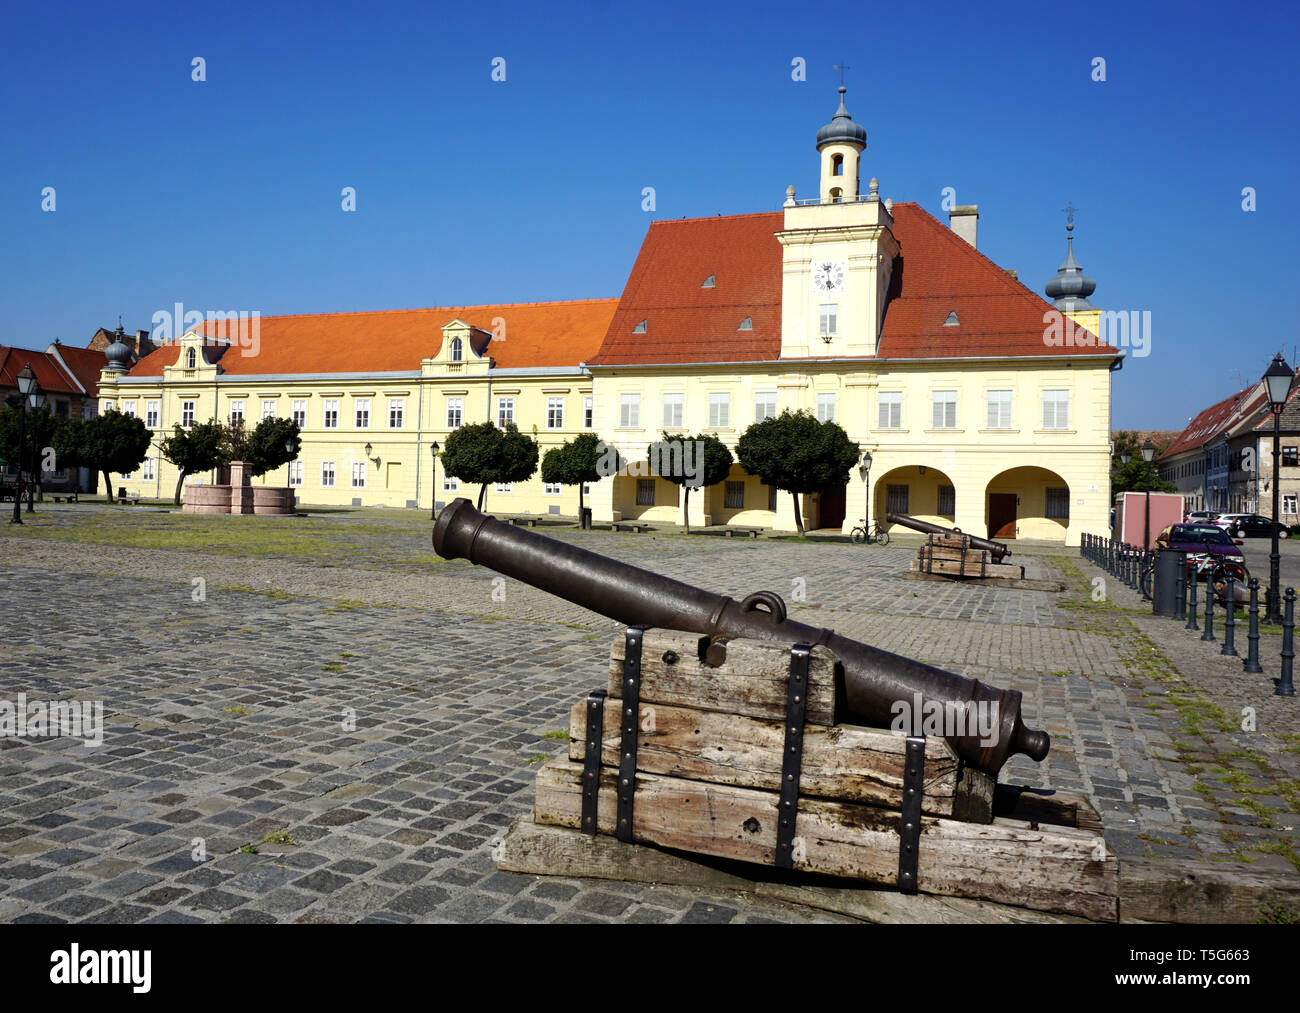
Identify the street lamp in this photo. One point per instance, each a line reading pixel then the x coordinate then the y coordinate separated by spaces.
pixel 864 469
pixel 433 500
pixel 26 386
pixel 1148 455
pixel 1277 379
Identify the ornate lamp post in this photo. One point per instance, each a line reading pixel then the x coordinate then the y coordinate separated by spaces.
pixel 433 500
pixel 26 386
pixel 864 469
pixel 1277 378
pixel 1148 455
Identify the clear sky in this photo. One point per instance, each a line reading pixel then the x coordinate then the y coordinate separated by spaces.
pixel 226 193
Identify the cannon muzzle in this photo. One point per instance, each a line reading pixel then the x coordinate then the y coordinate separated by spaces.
pixel 998 550
pixel 983 724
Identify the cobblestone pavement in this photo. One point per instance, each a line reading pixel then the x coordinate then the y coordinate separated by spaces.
pixel 223 716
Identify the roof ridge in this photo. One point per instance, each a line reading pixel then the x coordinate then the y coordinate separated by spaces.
pixel 431 309
pixel 715 218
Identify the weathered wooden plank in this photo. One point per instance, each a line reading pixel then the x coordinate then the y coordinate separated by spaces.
pixel 1049 869
pixel 541 850
pixel 1160 890
pixel 1019 584
pixel 1056 808
pixel 973 557
pixel 751 682
pixel 951 568
pixel 846 762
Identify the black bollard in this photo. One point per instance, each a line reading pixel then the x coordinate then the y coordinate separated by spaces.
pixel 1251 664
pixel 1191 602
pixel 1209 609
pixel 1110 556
pixel 1230 621
pixel 1284 685
pixel 1133 560
pixel 1180 588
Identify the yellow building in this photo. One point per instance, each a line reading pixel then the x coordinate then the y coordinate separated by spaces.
pixel 953 375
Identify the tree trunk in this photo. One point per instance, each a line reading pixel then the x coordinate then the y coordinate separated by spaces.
pixel 798 517
pixel 482 494
pixel 582 513
pixel 177 498
pixel 686 508
pixel 108 484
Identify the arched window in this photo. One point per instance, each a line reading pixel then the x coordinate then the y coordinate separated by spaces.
pixel 189 358
pixel 455 349
pixel 837 195
pixel 837 165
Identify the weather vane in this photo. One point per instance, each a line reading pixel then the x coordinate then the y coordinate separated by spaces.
pixel 841 67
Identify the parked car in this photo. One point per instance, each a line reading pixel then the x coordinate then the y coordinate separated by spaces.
pixel 1252 526
pixel 1210 553
pixel 1198 516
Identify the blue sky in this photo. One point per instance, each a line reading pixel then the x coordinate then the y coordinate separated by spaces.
pixel 225 194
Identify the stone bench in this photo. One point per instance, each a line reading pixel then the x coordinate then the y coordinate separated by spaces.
pixel 59 497
pixel 750 532
pixel 520 522
pixel 634 526
pixel 124 497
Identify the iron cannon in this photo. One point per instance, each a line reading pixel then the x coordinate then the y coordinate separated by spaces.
pixel 874 681
pixel 998 550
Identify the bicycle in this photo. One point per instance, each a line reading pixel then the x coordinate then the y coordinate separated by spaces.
pixel 875 534
pixel 1211 569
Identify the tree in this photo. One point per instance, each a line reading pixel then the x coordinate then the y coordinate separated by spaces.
pixel 480 453
pixel 265 447
pixel 583 459
pixel 114 442
pixel 1137 475
pixel 192 450
pixel 692 462
pixel 795 452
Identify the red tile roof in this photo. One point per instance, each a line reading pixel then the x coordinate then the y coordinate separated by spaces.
pixel 84 364
pixel 535 334
pixel 1218 418
pixel 937 273
pixel 50 375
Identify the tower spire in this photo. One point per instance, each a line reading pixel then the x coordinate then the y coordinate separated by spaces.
pixel 1070 289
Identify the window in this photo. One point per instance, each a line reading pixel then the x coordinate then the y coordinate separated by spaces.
pixel 190 358
pixel 268 408
pixel 555 413
pixel 358 474
pixel 151 414
pixel 764 405
pixel 889 406
pixel 746 325
pixel 629 411
pixel 645 492
pixel 61 410
pixel 187 413
pixel 674 410
pixel 771 498
pixel 450 483
pixel 1056 411
pixel 1289 503
pixel 455 411
pixel 396 412
pixel 330 414
pixel 825 407
pixel 505 487
pixel 1058 504
pixel 236 413
pixel 719 410
pixel 639 328
pixel 126 476
pixel 999 404
pixel 456 349
pixel 1291 456
pixel 896 499
pixel 947 501
pixel 362 407
pixel 327 474
pixel 505 411
pixel 295 473
pixel 550 488
pixel 829 313
pixel 735 496
pixel 108 406
pixel 147 473
pixel 300 414
pixel 588 412
pixel 943 410
pixel 128 409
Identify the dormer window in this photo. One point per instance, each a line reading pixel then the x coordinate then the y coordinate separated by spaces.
pixel 456 349
pixel 189 358
pixel 746 325
pixel 952 320
pixel 639 328
pixel 708 282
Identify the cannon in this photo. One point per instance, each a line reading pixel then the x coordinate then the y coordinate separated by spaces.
pixel 998 550
pixel 873 680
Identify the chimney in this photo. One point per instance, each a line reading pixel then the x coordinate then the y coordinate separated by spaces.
pixel 143 346
pixel 964 219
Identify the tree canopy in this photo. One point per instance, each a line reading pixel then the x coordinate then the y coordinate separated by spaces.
pixel 795 452
pixel 575 463
pixel 198 448
pixel 692 462
pixel 481 453
pixel 114 442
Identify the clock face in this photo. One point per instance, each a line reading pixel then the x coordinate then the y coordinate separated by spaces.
pixel 828 275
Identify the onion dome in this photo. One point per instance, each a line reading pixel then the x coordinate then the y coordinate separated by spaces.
pixel 1070 289
pixel 841 129
pixel 119 352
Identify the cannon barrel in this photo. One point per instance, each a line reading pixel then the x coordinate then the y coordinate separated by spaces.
pixel 873 679
pixel 998 550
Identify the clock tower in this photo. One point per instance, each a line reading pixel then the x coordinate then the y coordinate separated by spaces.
pixel 838 254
